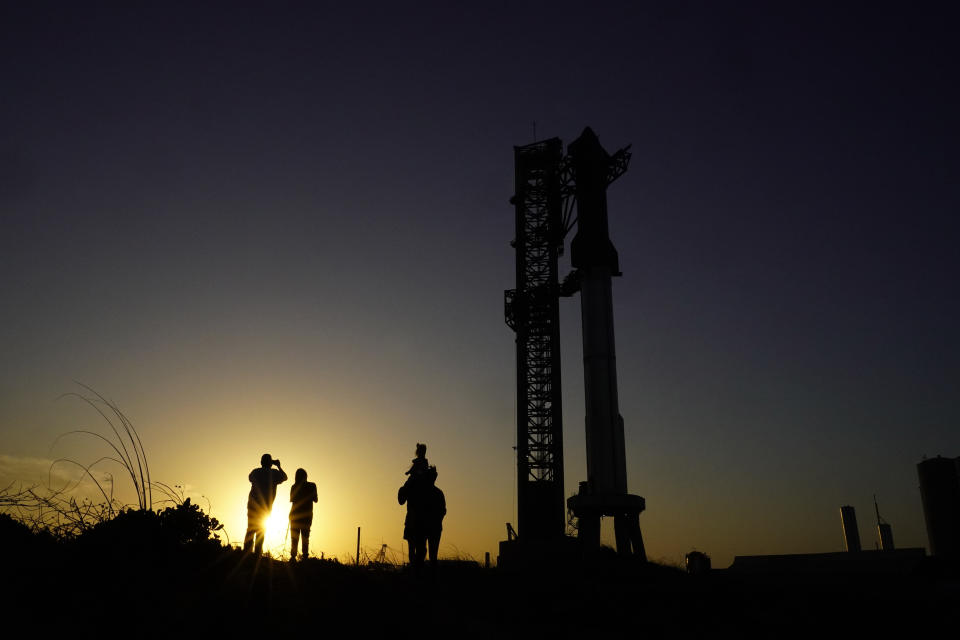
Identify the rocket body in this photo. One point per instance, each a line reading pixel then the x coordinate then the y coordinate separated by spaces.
pixel 606 455
pixel 596 259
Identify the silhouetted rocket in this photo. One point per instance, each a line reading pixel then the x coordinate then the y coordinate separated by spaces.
pixel 595 257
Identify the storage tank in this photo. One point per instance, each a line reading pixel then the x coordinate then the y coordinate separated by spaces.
pixel 940 493
pixel 851 535
pixel 698 563
pixel 885 531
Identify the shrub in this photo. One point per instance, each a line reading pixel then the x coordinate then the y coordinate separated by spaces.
pixel 143 532
pixel 187 523
pixel 14 534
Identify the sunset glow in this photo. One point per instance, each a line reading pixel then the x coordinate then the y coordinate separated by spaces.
pixel 288 230
pixel 278 528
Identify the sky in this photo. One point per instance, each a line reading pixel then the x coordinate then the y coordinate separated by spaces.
pixel 284 227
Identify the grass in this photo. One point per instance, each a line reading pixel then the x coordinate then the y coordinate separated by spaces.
pixel 126 445
pixel 61 513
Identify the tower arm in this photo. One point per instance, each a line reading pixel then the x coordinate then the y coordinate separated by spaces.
pixel 619 163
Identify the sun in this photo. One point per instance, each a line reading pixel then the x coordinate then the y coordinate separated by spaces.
pixel 278 523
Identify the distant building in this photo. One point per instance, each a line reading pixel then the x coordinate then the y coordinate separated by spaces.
pixel 885 533
pixel 851 534
pixel 698 563
pixel 940 492
pixel 900 561
pixel 884 530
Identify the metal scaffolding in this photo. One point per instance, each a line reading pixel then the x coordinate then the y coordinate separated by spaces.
pixel 532 311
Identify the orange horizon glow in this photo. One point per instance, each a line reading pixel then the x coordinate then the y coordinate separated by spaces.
pixel 357 485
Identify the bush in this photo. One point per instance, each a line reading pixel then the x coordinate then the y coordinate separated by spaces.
pixel 142 531
pixel 186 523
pixel 14 534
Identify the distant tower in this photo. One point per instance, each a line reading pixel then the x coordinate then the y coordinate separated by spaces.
pixel 548 187
pixel 851 534
pixel 884 530
pixel 940 492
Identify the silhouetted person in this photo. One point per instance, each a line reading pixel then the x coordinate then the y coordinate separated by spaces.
pixel 302 496
pixel 263 491
pixel 434 509
pixel 426 507
pixel 410 494
pixel 419 464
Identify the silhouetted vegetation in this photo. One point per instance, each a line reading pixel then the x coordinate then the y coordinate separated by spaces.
pixel 178 525
pixel 125 445
pixel 166 572
pixel 162 573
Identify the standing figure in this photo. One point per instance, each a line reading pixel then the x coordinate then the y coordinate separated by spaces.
pixel 434 509
pixel 302 496
pixel 263 491
pixel 426 507
pixel 411 494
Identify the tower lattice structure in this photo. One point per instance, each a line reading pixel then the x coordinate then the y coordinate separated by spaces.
pixel 532 311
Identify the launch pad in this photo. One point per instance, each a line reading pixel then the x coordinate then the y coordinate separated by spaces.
pixel 554 193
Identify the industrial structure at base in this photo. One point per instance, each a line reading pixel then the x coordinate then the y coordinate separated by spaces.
pixel 940 492
pixel 553 193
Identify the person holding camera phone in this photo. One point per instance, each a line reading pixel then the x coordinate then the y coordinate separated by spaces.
pixel 263 491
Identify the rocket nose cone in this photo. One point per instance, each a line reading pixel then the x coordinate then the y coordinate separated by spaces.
pixel 588 146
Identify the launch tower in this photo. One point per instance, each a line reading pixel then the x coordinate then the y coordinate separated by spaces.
pixel 549 187
pixel 532 311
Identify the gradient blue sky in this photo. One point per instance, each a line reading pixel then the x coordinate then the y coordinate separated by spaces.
pixel 286 228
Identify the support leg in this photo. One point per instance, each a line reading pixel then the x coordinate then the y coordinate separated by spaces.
pixel 588 526
pixel 622 529
pixel 636 538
